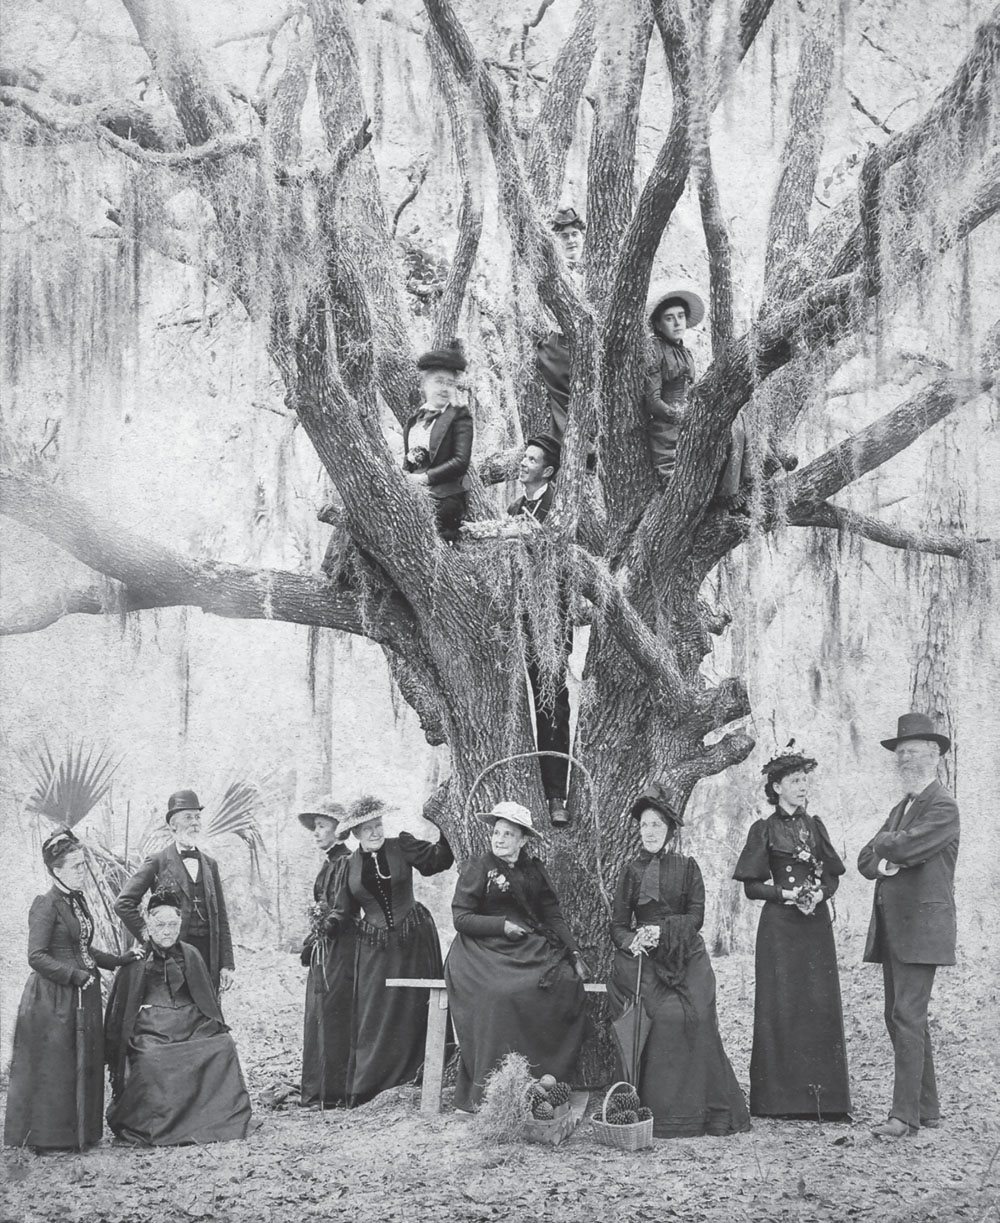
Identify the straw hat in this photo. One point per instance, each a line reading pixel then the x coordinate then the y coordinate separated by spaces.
pixel 665 289
pixel 326 808
pixel 513 813
pixel 363 809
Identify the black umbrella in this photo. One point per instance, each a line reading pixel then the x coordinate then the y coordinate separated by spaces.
pixel 631 1030
pixel 81 1068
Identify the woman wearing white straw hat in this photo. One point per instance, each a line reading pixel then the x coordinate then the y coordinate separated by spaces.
pixel 671 308
pixel 396 937
pixel 514 972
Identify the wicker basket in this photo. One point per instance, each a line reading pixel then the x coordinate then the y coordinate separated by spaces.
pixel 634 1137
pixel 551 1133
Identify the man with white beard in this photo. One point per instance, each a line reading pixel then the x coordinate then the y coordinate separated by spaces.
pixel 912 931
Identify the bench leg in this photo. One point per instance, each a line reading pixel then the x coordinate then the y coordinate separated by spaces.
pixel 437 1031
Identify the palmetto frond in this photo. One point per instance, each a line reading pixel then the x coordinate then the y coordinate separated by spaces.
pixel 236 815
pixel 69 785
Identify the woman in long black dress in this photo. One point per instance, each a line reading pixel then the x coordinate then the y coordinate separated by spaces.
pixel 685 1076
pixel 326 1033
pixel 42 1096
pixel 175 1073
pixel 514 973
pixel 396 937
pixel 799 1065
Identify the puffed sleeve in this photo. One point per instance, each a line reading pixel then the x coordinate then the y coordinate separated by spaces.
pixel 551 912
pixel 469 893
pixel 833 864
pixel 622 932
pixel 41 924
pixel 427 857
pixel 343 906
pixel 753 867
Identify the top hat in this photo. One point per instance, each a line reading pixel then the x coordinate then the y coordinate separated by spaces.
pixel 513 813
pixel 449 356
pixel 655 795
pixel 916 726
pixel 182 800
pixel 324 808
pixel 664 290
pixel 568 218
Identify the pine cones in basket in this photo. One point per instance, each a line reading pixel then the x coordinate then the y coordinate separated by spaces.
pixel 545 1096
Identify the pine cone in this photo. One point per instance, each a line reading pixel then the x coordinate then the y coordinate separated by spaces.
pixel 630 1117
pixel 558 1094
pixel 628 1100
pixel 645 1114
pixel 614 1116
pixel 542 1110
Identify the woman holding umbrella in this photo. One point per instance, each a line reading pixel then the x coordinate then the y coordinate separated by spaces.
pixel 55 1100
pixel 683 1075
pixel 514 973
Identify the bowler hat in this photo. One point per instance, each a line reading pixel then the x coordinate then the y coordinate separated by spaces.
pixel 655 795
pixel 448 356
pixel 916 726
pixel 568 218
pixel 324 808
pixel 182 800
pixel 665 290
pixel 513 813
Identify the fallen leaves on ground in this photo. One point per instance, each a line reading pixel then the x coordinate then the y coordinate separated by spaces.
pixel 386 1163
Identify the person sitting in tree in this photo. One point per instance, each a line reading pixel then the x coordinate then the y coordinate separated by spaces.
pixel 539 466
pixel 552 352
pixel 670 370
pixel 438 438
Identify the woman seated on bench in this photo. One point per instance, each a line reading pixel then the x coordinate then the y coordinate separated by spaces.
pixel 514 973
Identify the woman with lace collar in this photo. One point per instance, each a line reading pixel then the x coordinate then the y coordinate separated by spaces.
pixel 684 1076
pixel 42 1099
pixel 798 1067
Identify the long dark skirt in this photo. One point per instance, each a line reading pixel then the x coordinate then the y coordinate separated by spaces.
pixel 389 1026
pixel 326 1033
pixel 184 1081
pixel 799 1065
pixel 685 1076
pixel 41 1098
pixel 497 1008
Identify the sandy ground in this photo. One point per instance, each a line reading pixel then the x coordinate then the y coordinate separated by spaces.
pixel 387 1162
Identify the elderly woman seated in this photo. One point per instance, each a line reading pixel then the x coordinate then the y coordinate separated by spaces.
pixel 175 1076
pixel 514 973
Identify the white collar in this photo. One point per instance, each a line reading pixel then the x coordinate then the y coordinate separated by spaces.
pixel 538 496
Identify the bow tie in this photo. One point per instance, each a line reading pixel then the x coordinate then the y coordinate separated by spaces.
pixel 189 853
pixel 430 413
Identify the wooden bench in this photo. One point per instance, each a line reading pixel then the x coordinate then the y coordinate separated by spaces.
pixel 437 1032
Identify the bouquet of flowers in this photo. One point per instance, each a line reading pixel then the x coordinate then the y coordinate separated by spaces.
pixel 419 458
pixel 810 891
pixel 497 879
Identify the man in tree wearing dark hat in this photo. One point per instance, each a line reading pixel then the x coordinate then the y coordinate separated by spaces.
pixel 194 876
pixel 438 439
pixel 913 929
pixel 539 466
pixel 552 352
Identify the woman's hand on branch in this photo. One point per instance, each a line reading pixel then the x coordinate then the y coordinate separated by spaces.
pixel 580 967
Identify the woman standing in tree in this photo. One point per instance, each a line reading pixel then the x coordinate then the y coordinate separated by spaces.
pixel 685 1076
pixel 396 937
pixel 798 1067
pixel 42 1097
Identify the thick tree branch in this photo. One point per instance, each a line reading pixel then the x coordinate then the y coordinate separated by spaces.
pixel 788 223
pixel 720 262
pixel 875 444
pixel 157 576
pixel 823 514
pixel 552 132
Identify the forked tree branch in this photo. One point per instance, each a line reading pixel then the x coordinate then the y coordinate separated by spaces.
pixel 835 517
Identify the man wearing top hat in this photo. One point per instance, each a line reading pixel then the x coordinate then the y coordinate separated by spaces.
pixel 538 470
pixel 437 440
pixel 912 931
pixel 194 876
